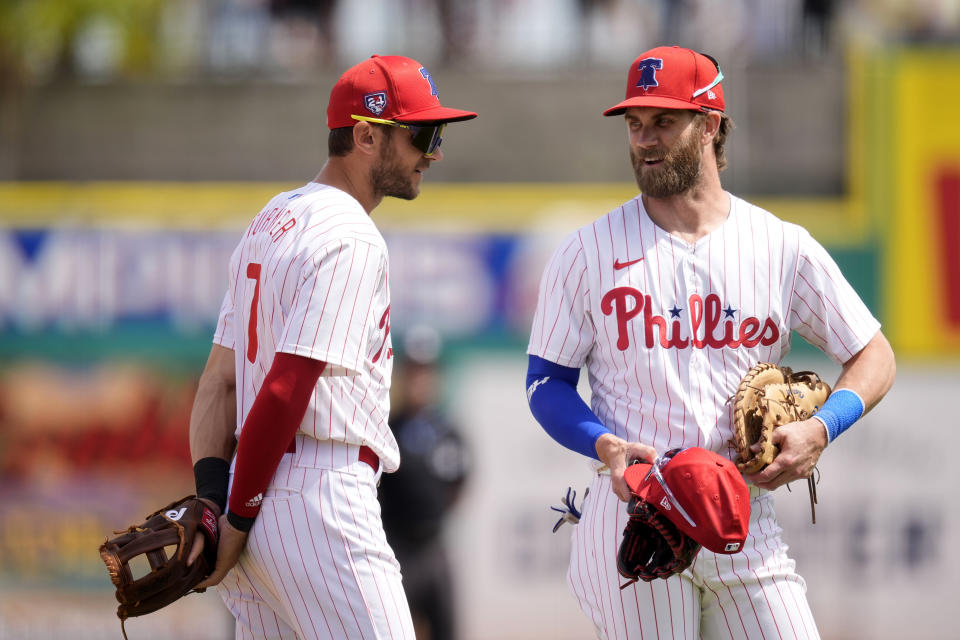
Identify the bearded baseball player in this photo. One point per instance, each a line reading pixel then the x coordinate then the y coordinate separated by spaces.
pixel 668 301
pixel 291 410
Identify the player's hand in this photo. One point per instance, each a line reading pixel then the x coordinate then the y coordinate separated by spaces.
pixel 232 542
pixel 800 444
pixel 199 540
pixel 617 453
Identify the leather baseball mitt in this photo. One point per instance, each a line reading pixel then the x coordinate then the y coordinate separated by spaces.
pixel 170 529
pixel 770 396
pixel 652 546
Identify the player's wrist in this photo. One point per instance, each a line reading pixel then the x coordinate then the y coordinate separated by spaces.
pixel 826 428
pixel 217 511
pixel 240 523
pixel 212 477
pixel 818 432
pixel 611 449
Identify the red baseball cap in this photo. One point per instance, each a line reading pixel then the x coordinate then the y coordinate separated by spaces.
pixel 673 78
pixel 390 88
pixel 700 485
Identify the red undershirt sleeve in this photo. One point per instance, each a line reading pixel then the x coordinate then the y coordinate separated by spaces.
pixel 270 427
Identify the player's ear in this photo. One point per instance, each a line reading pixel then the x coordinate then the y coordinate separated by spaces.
pixel 711 125
pixel 365 138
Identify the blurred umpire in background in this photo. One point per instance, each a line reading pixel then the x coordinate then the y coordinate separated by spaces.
pixel 418 497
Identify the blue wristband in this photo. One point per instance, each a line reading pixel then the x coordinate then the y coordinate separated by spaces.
pixel 839 412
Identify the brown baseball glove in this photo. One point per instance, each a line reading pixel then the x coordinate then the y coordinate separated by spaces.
pixel 171 528
pixel 652 546
pixel 770 396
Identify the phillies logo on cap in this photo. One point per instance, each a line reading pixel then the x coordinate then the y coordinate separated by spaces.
pixel 672 78
pixel 375 102
pixel 429 78
pixel 648 72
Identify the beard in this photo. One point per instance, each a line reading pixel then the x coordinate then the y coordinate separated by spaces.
pixel 389 178
pixel 679 172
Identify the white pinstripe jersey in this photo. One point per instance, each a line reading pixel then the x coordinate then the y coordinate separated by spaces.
pixel 668 329
pixel 310 278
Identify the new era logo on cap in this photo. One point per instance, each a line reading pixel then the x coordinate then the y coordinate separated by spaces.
pixel 392 88
pixel 672 78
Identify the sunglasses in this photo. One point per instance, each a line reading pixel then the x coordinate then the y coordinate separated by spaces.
pixel 426 139
pixel 655 472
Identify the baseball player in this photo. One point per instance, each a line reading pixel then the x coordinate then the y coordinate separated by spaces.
pixel 299 374
pixel 668 301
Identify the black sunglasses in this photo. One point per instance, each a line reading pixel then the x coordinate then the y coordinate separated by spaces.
pixel 426 139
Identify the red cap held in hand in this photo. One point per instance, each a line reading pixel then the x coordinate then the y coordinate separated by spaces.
pixel 673 78
pixel 700 492
pixel 389 88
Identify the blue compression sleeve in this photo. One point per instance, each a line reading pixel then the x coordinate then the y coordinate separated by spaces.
pixel 555 403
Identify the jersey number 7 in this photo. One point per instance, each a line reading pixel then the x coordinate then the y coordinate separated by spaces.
pixel 253 272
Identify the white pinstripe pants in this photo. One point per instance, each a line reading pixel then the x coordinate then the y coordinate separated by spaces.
pixel 317 563
pixel 753 594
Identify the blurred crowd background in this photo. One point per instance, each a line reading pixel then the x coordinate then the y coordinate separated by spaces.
pixel 139 137
pixel 204 90
pixel 109 40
